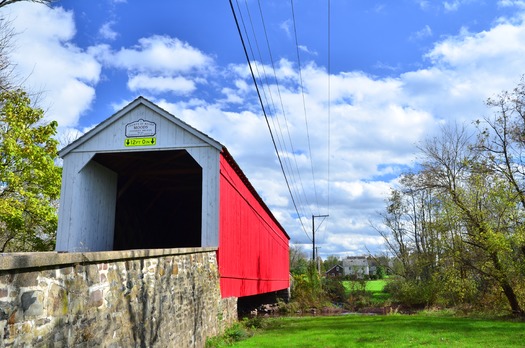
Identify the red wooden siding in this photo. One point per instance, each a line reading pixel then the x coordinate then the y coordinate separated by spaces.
pixel 253 247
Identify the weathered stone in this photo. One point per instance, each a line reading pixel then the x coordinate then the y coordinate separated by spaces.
pixel 4 292
pixel 26 279
pixel 126 302
pixel 95 299
pixel 92 274
pixel 14 317
pixel 32 303
pixel 6 278
pixel 6 308
pixel 66 270
pixel 57 303
pixel 161 271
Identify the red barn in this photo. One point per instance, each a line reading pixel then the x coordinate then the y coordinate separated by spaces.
pixel 144 179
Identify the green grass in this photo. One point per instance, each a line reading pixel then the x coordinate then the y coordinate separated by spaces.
pixel 374 287
pixel 386 331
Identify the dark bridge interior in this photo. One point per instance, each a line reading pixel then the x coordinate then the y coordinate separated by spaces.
pixel 159 199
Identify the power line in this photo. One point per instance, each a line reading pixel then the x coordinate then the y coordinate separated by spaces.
pixel 271 105
pixel 275 120
pixel 304 103
pixel 265 115
pixel 292 152
pixel 329 69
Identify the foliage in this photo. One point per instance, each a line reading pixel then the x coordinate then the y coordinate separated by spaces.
pixel 456 226
pixel 307 290
pixel 380 272
pixel 357 295
pixel 298 260
pixel 387 331
pixel 239 331
pixel 334 289
pixel 29 178
pixel 412 293
pixel 235 333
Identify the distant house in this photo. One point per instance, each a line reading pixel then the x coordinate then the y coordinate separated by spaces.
pixel 336 271
pixel 356 266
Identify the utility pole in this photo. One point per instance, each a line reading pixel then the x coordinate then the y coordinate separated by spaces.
pixel 313 234
pixel 318 260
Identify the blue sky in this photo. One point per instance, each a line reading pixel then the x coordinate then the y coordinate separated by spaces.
pixel 398 70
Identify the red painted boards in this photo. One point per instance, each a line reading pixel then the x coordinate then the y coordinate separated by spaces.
pixel 253 246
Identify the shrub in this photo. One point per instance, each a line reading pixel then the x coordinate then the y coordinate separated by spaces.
pixel 413 293
pixel 358 297
pixel 334 289
pixel 307 292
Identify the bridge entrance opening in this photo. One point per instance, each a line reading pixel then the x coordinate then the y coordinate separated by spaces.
pixel 159 199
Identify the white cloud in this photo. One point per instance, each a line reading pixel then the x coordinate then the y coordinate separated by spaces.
pixel 512 3
pixel 50 64
pixel 286 27
pixel 158 64
pixel 306 50
pixel 381 120
pixel 107 32
pixel 159 84
pixel 422 34
pixel 451 6
pixel 375 122
pixel 159 54
pixel 424 4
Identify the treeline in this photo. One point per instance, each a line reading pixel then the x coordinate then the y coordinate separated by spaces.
pixel 456 226
pixel 29 175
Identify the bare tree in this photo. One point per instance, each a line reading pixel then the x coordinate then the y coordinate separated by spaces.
pixel 9 2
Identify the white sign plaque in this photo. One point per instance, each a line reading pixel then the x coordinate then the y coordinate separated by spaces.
pixel 141 128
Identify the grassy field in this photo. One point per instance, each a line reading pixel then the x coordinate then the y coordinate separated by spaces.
pixel 386 331
pixel 375 287
pixel 370 285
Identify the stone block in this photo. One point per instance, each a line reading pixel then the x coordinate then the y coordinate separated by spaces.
pixel 6 308
pixel 92 274
pixel 6 278
pixel 57 302
pixel 66 270
pixel 96 299
pixel 26 279
pixel 32 303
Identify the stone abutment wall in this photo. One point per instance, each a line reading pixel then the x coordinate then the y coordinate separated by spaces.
pixel 133 298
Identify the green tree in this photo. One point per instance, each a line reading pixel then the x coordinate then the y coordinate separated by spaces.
pixel 484 202
pixel 29 177
pixel 456 226
pixel 298 260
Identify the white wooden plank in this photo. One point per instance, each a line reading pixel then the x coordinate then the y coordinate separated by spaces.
pixel 87 204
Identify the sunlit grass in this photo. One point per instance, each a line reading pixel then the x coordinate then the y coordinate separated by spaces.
pixel 374 287
pixel 387 331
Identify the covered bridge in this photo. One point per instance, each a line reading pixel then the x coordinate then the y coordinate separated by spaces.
pixel 144 179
